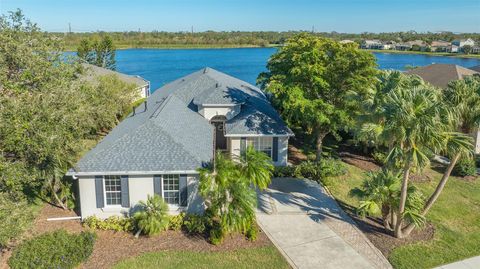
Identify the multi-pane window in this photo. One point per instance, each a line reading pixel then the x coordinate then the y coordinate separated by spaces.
pixel 263 144
pixel 113 190
pixel 171 188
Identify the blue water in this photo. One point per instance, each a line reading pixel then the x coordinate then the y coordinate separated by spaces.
pixel 161 66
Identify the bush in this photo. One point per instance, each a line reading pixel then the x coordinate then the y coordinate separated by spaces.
pixel 465 167
pixel 379 157
pixel 477 160
pixel 58 249
pixel 252 232
pixel 176 222
pixel 196 224
pixel 113 223
pixel 16 215
pixel 284 171
pixel 152 217
pixel 327 167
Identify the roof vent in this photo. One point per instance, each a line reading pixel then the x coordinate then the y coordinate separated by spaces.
pixel 205 70
pixel 217 85
pixel 145 102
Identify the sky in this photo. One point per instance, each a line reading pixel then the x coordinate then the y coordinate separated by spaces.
pixel 348 16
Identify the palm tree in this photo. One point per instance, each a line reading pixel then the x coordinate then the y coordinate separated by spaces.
pixel 380 195
pixel 411 122
pixel 152 218
pixel 228 188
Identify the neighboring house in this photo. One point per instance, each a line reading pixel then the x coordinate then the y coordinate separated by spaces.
pixel 159 147
pixel 441 46
pixel 403 46
pixel 346 41
pixel 475 50
pixel 388 45
pixel 372 44
pixel 440 75
pixel 463 42
pixel 143 86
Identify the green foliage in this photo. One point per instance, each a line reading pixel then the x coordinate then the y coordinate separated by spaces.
pixel 46 110
pixel 227 189
pixel 318 84
pixel 113 223
pixel 99 52
pixel 284 171
pixel 197 224
pixel 16 215
pixel 176 222
pixel 318 171
pixel 152 216
pixel 380 157
pixel 58 249
pixel 465 167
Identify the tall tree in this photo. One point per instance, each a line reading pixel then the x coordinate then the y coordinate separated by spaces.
pixel 412 120
pixel 99 52
pixel 317 84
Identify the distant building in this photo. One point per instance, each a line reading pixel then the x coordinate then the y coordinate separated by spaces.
pixel 403 46
pixel 475 50
pixel 372 44
pixel 389 45
pixel 440 46
pixel 463 42
pixel 346 41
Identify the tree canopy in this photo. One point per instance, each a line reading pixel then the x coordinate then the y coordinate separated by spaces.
pixel 318 84
pixel 99 52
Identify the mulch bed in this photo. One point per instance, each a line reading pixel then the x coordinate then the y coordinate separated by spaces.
pixel 362 162
pixel 112 247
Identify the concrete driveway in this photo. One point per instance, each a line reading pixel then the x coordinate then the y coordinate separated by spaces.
pixel 310 229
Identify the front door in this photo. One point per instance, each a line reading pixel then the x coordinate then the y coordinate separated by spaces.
pixel 220 139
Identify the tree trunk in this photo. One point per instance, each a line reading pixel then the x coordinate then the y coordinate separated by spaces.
pixel 403 200
pixel 319 145
pixel 59 202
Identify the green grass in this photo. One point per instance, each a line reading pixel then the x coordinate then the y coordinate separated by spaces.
pixel 455 215
pixel 262 257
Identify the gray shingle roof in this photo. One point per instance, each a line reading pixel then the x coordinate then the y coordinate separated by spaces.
pixel 440 75
pixel 170 135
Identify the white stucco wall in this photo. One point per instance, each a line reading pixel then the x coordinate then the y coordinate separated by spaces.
pixel 228 111
pixel 139 188
pixel 234 146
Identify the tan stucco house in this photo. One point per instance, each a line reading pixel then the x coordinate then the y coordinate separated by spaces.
pixel 159 147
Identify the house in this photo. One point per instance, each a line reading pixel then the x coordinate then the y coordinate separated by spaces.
pixel 158 148
pixel 92 71
pixel 372 44
pixel 403 46
pixel 475 50
pixel 388 45
pixel 346 41
pixel 440 75
pixel 443 46
pixel 463 42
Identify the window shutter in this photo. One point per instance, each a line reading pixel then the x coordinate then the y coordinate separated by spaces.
pixel 157 185
pixel 125 194
pixel 99 191
pixel 275 149
pixel 183 190
pixel 243 146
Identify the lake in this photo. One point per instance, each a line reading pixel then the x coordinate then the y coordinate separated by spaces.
pixel 161 66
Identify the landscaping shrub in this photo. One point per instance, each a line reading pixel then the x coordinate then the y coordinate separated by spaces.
pixel 176 222
pixel 58 249
pixel 284 171
pixel 152 218
pixel 196 224
pixel 16 215
pixel 465 167
pixel 379 157
pixel 113 223
pixel 477 160
pixel 327 167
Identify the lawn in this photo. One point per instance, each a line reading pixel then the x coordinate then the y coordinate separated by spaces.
pixel 455 216
pixel 261 257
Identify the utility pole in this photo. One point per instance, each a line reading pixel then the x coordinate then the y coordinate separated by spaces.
pixel 69 28
pixel 192 29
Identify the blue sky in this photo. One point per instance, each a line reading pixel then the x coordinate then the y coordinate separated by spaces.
pixel 251 15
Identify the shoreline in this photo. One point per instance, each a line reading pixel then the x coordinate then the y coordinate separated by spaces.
pixel 246 46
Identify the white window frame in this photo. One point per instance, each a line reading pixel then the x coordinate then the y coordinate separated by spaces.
pixel 262 144
pixel 105 192
pixel 170 191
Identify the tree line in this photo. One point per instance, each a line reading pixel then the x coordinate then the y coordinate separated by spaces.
pixel 243 38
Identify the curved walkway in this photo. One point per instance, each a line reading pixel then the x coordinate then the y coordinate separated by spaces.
pixel 310 229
